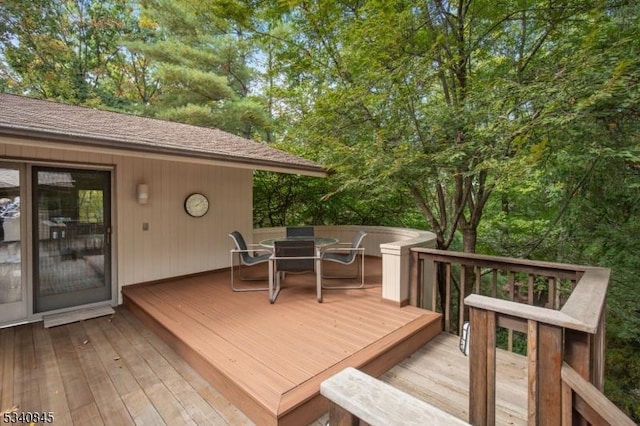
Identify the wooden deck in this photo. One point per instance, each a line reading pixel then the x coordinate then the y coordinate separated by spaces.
pixel 115 370
pixel 105 371
pixel 438 373
pixel 269 360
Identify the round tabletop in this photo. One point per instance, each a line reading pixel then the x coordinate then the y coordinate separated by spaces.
pixel 320 241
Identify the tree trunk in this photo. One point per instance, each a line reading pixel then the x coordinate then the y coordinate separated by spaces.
pixel 469 241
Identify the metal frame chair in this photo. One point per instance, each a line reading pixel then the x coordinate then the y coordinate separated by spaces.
pixel 247 257
pixel 294 256
pixel 346 256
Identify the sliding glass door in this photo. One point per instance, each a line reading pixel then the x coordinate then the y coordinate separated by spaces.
pixel 71 237
pixel 13 295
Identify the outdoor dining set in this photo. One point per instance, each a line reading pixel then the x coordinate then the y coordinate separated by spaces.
pixel 298 251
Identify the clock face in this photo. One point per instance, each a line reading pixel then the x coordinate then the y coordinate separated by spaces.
pixel 196 205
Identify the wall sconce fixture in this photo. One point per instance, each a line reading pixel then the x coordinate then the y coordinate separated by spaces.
pixel 142 193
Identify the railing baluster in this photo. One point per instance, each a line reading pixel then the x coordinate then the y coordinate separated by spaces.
pixel 447 305
pixel 435 287
pixel 551 287
pixel 512 279
pixel 567 405
pixel 530 289
pixel 478 278
pixel 494 283
pixel 511 297
pixel 462 294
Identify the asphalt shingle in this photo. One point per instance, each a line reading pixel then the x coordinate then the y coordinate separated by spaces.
pixel 23 116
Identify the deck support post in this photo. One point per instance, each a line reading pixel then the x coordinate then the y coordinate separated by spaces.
pixel 338 416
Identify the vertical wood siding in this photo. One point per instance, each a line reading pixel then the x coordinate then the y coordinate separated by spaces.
pixel 175 244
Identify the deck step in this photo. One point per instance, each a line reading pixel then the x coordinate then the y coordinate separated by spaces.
pixel 75 316
pixel 270 359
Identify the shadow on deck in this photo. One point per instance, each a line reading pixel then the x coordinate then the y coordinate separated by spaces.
pixel 269 360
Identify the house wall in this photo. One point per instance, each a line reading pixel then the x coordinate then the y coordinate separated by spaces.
pixel 175 243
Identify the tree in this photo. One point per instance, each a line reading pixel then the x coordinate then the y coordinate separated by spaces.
pixel 70 50
pixel 202 58
pixel 439 99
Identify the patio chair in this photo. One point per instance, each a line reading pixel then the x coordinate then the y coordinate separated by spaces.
pixel 300 231
pixel 347 256
pixel 248 257
pixel 293 256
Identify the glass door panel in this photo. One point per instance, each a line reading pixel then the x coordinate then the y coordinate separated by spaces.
pixel 72 226
pixel 13 304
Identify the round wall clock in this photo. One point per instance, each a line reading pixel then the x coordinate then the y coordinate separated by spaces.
pixel 196 205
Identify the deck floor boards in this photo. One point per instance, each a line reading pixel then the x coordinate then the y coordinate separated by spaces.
pixel 269 359
pixel 117 368
pixel 438 373
pixel 105 371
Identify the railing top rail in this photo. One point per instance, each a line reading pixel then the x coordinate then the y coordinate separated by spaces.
pixel 563 270
pixel 587 301
pixel 527 312
pixel 581 312
pixel 594 398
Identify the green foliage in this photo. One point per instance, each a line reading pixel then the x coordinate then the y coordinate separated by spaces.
pixel 201 59
pixel 510 128
pixel 501 118
pixel 72 51
pixel 426 100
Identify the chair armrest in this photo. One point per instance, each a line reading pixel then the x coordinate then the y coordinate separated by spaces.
pixel 341 249
pixel 294 257
pixel 251 250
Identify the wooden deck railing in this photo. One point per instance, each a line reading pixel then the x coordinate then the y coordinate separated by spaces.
pixel 592 405
pixel 455 274
pixel 559 308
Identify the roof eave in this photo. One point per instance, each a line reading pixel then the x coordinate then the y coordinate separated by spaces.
pixel 258 164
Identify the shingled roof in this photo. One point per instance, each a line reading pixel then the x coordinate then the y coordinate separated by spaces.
pixel 26 117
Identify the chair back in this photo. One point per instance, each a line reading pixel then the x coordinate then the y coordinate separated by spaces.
pixel 296 248
pixel 357 240
pixel 241 245
pixel 300 231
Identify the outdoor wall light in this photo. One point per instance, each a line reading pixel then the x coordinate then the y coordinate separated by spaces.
pixel 142 193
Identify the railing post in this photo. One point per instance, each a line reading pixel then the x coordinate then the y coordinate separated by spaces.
pixel 577 347
pixel 396 272
pixel 532 372
pixel 482 368
pixel 416 283
pixel 548 371
pixel 582 352
pixel 598 345
pixel 426 282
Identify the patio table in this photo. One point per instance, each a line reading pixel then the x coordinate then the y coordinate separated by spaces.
pixel 320 242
